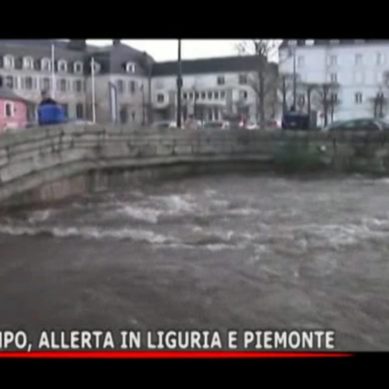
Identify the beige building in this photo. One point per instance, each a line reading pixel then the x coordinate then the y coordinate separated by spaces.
pixel 213 88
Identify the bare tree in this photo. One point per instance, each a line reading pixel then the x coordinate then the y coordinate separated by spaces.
pixel 327 99
pixel 264 80
pixel 309 88
pixel 379 103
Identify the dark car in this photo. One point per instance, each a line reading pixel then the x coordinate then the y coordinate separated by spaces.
pixel 218 124
pixel 295 121
pixel 364 124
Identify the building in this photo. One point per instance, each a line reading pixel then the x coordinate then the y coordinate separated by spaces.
pixel 344 78
pixel 13 110
pixel 25 68
pixel 213 88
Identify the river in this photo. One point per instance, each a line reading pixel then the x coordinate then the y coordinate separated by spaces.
pixel 206 252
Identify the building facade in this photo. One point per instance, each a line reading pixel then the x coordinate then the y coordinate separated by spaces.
pixel 347 79
pixel 13 110
pixel 213 88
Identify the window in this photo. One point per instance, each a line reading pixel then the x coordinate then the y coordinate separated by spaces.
pixel 132 87
pixel 380 59
pixel 242 79
pixel 333 77
pixel 62 85
pixel 130 67
pixel 77 67
pixel 309 42
pixel 300 61
pixel 185 96
pixel 78 86
pixel 28 63
pixel 334 41
pixel 209 95
pixel 334 97
pixel 9 62
pixel 216 95
pixel 332 60
pixel 358 59
pixel 46 84
pixel 9 109
pixel 292 42
pixel 243 94
pixel 79 111
pixel 65 109
pixel 123 113
pixel 222 95
pixel 120 86
pixel 301 100
pixel 190 96
pixel 28 83
pixel 221 80
pixel 9 82
pixel 96 67
pixel 62 65
pixel 358 98
pixel 46 64
pixel 203 95
pixel 160 98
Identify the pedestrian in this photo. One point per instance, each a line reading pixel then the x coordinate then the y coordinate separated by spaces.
pixel 46 99
pixel 49 111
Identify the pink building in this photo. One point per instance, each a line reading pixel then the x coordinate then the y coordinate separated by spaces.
pixel 13 110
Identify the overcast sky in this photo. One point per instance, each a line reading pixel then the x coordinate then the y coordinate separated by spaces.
pixel 166 49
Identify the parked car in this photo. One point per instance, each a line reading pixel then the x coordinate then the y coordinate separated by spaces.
pixel 295 121
pixel 164 124
pixel 80 122
pixel 220 124
pixel 364 124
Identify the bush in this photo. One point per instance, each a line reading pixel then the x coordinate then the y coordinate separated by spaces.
pixel 293 157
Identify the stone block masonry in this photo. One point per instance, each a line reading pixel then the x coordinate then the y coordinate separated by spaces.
pixel 51 163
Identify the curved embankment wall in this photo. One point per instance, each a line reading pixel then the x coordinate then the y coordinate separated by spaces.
pixel 50 163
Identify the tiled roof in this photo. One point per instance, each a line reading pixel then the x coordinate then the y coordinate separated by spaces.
pixel 208 65
pixel 332 42
pixel 111 58
pixel 8 94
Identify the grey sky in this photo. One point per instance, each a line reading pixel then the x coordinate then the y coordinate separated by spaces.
pixel 166 49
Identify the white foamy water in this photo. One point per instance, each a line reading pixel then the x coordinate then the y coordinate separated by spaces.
pixel 176 204
pixel 40 216
pixel 88 233
pixel 140 213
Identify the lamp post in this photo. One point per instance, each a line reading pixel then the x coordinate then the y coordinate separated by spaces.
pixel 143 106
pixel 294 78
pixel 179 85
pixel 93 90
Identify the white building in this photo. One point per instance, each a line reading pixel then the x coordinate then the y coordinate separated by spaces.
pixel 213 89
pixel 356 66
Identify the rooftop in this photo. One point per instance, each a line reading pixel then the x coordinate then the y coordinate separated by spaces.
pixel 330 42
pixel 8 94
pixel 207 65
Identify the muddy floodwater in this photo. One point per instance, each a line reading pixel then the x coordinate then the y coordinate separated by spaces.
pixel 209 252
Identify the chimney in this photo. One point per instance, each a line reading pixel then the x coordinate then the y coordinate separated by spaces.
pixel 77 44
pixel 116 42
